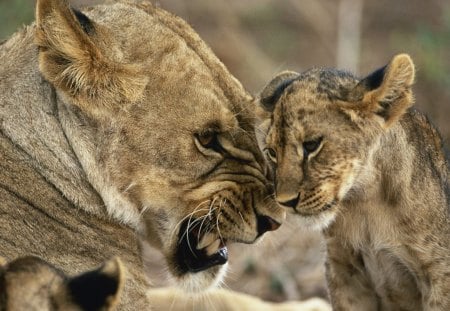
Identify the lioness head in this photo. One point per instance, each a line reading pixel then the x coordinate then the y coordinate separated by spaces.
pixel 162 130
pixel 321 128
pixel 30 283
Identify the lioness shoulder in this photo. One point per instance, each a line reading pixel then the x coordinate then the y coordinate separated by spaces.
pixel 353 159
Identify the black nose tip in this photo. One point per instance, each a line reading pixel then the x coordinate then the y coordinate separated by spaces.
pixel 266 223
pixel 291 203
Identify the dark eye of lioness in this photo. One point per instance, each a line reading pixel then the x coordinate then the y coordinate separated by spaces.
pixel 209 140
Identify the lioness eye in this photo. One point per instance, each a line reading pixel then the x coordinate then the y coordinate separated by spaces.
pixel 272 154
pixel 209 140
pixel 311 145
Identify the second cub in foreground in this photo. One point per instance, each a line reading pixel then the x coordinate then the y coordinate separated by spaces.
pixel 352 159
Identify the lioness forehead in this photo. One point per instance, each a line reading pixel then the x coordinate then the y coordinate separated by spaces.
pixel 170 51
pixel 188 86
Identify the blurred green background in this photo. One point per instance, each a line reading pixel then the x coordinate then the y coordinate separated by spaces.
pixel 14 13
pixel 258 38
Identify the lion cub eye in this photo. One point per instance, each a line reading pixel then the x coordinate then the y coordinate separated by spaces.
pixel 311 146
pixel 209 140
pixel 271 154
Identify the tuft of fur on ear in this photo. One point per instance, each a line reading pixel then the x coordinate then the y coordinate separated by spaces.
pixel 272 92
pixel 99 289
pixel 386 92
pixel 71 60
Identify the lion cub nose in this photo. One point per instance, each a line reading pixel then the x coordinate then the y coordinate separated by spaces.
pixel 266 223
pixel 292 203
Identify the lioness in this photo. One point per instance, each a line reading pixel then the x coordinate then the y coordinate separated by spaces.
pixel 353 160
pixel 119 123
pixel 30 283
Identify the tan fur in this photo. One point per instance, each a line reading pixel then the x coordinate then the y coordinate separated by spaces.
pixel 31 284
pixel 376 183
pixel 120 125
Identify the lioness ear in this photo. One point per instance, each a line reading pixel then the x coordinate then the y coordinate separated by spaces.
pixel 272 92
pixel 73 62
pixel 386 92
pixel 99 289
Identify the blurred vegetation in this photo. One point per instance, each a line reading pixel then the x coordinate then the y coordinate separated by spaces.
pixel 13 14
pixel 258 38
pixel 434 45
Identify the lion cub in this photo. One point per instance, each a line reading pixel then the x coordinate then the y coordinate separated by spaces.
pixel 352 159
pixel 30 283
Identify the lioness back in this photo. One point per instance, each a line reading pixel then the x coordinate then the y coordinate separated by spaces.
pixel 120 126
pixel 352 159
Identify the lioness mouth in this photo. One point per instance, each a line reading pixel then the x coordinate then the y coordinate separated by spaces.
pixel 197 252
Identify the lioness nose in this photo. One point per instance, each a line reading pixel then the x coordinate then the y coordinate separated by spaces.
pixel 266 223
pixel 290 203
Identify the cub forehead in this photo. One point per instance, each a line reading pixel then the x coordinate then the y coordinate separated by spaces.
pixel 308 101
pixel 316 88
pixel 285 128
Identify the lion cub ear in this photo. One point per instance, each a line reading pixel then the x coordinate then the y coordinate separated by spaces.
pixel 72 60
pixel 386 92
pixel 99 289
pixel 273 90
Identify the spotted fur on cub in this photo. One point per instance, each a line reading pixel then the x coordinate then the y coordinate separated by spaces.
pixel 352 159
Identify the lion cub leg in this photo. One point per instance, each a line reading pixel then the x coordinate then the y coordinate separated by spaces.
pixel 348 283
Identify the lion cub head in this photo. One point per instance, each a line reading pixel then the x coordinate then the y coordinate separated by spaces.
pixel 321 127
pixel 31 284
pixel 163 132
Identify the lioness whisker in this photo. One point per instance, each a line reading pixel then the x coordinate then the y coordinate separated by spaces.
pixel 191 226
pixel 217 220
pixel 143 210
pixel 131 185
pixel 242 217
pixel 209 214
pixel 196 210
